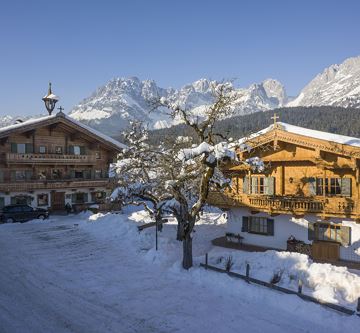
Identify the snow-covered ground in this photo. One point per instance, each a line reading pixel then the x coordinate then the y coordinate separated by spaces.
pixel 96 273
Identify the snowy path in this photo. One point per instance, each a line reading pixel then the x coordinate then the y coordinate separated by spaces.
pixel 58 277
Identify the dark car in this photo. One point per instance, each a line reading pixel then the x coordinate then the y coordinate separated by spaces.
pixel 22 213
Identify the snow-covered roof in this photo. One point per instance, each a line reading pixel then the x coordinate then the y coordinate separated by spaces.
pixel 62 115
pixel 51 96
pixel 341 139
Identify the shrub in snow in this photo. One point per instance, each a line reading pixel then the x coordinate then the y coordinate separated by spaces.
pixel 229 263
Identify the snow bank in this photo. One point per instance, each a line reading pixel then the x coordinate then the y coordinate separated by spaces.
pixel 325 282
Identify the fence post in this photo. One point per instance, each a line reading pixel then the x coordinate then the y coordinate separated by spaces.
pixel 300 284
pixel 358 306
pixel 206 260
pixel 247 272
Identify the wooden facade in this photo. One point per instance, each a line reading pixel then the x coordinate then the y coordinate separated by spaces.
pixel 50 161
pixel 303 176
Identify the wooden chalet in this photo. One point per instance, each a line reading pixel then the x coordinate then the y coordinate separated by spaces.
pixel 307 197
pixel 55 160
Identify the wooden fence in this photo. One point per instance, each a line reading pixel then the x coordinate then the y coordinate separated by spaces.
pixel 299 293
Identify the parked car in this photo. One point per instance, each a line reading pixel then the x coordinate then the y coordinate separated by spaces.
pixel 22 213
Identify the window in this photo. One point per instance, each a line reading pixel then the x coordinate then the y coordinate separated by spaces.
pixel 21 200
pixel 58 150
pixel 42 149
pixel 258 225
pixel 333 186
pixel 21 175
pixel 98 174
pixel 259 185
pixel 330 232
pixel 2 202
pixel 22 148
pixel 77 150
pixel 56 174
pixel 43 199
pixel 79 197
pixel 42 175
pixel 97 155
pixel 79 174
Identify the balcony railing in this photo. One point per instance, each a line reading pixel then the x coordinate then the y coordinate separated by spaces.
pixel 333 206
pixel 53 184
pixel 15 158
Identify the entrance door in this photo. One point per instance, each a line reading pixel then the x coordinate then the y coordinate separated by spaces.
pixel 58 200
pixel 325 251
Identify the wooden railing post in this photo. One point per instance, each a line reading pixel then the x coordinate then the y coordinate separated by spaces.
pixel 247 273
pixel 300 284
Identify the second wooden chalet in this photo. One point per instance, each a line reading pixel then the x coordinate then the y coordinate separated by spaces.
pixel 54 160
pixel 307 195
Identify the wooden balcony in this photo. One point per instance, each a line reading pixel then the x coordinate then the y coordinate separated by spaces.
pixel 14 158
pixel 53 184
pixel 324 207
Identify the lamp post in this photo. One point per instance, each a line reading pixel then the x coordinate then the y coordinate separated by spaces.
pixel 50 100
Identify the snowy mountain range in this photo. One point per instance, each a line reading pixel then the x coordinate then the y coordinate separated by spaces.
pixel 111 106
pixel 337 85
pixel 122 99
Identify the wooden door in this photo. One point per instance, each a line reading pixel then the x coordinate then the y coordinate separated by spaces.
pixel 58 200
pixel 325 251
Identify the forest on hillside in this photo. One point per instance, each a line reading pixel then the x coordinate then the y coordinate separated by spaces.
pixel 345 121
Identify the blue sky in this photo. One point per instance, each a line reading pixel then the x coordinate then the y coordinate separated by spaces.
pixel 80 45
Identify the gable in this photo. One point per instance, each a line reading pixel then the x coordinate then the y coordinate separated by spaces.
pixel 61 123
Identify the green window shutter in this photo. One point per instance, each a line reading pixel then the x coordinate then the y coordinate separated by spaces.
pixel 73 197
pixel 82 150
pixel 1 176
pixel 72 173
pixel 86 197
pixel 346 187
pixel 13 200
pixel 270 185
pixel 71 150
pixel 13 147
pixel 311 231
pixel 254 185
pixel 29 148
pixel 345 236
pixel 246 184
pixel 245 224
pixel 270 227
pixel 312 186
pixel 28 174
pixel 12 175
pixel 92 173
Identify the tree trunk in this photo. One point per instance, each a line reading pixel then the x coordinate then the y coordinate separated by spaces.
pixel 180 231
pixel 187 251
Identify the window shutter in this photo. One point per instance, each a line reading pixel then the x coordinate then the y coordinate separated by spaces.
pixel 2 202
pixel 270 227
pixel 311 231
pixel 71 150
pixel 28 174
pixel 1 176
pixel 12 175
pixel 86 196
pixel 13 147
pixel 72 173
pixel 345 236
pixel 245 224
pixel 246 184
pixel 82 150
pixel 92 173
pixel 270 182
pixel 254 185
pixel 346 187
pixel 312 186
pixel 13 200
pixel 29 148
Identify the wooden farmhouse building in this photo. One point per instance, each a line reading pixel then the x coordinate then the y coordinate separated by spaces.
pixel 54 160
pixel 306 199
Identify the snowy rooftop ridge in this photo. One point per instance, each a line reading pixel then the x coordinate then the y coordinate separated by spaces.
pixel 63 115
pixel 337 138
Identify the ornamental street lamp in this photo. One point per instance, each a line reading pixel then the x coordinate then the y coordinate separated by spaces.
pixel 50 100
